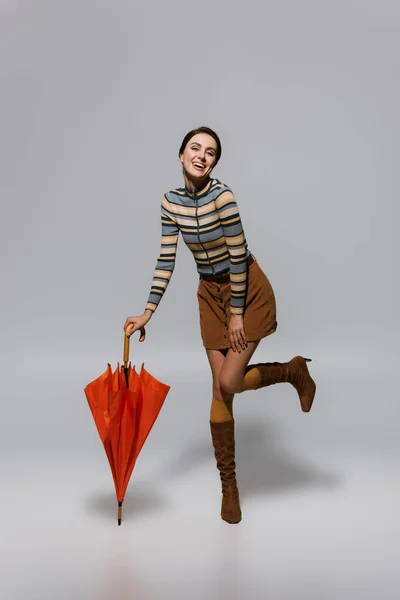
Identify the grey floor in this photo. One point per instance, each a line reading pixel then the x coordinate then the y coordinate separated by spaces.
pixel 320 496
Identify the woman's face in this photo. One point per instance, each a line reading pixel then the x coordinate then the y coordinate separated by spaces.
pixel 199 156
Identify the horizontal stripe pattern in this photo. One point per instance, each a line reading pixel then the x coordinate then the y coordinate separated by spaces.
pixel 211 227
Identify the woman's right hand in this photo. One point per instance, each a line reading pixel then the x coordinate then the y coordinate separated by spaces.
pixel 137 323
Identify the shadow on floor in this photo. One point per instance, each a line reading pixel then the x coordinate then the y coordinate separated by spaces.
pixel 263 467
pixel 144 499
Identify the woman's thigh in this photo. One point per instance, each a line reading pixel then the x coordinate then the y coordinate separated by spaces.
pixel 216 359
pixel 233 368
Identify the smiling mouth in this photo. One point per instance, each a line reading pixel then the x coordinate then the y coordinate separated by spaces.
pixel 199 167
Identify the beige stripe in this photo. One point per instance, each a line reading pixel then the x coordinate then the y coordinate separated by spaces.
pixel 235 240
pixel 223 199
pixel 169 239
pixel 218 252
pixel 163 274
pixel 170 251
pixel 206 209
pixel 179 210
pixel 200 255
pixel 205 229
pixel 233 221
pixel 234 252
pixel 194 247
pixel 238 277
pixel 209 245
pixel 230 212
pixel 213 218
pixel 215 243
pixel 236 261
pixel 158 283
pixel 185 228
pixel 213 254
pixel 182 221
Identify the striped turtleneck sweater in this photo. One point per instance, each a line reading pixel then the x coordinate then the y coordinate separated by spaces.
pixel 211 228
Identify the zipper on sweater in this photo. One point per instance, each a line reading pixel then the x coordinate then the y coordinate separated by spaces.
pixel 198 230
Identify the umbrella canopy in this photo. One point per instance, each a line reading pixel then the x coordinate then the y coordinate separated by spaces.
pixel 125 405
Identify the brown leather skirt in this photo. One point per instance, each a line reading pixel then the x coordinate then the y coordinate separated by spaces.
pixel 259 316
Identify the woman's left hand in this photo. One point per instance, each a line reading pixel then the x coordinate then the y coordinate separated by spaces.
pixel 237 335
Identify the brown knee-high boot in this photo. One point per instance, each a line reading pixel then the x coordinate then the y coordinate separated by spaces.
pixel 223 439
pixel 295 372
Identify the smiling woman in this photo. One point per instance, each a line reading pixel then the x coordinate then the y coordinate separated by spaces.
pixel 236 301
pixel 199 153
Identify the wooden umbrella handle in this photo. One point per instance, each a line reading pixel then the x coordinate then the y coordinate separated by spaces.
pixel 126 342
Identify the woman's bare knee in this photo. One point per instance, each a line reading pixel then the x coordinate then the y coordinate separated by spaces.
pixel 227 385
pixel 221 394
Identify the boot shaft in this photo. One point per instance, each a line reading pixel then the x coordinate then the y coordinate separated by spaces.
pixel 223 439
pixel 294 372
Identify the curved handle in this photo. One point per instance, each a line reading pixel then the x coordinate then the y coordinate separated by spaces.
pixel 127 339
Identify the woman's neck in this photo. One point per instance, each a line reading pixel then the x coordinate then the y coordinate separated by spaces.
pixel 192 185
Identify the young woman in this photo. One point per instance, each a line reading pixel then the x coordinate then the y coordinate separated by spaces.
pixel 236 301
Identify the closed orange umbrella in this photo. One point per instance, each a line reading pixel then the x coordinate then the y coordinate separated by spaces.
pixel 125 405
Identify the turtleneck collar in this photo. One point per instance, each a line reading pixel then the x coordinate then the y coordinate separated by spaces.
pixel 198 192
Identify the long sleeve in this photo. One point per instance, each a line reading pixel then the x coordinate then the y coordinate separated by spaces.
pixel 231 223
pixel 166 260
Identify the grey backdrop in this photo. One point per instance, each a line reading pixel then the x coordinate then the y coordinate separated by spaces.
pixel 95 100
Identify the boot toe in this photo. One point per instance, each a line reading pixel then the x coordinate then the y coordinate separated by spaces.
pixel 230 510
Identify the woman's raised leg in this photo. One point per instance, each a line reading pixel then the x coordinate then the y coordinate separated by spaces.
pixel 237 376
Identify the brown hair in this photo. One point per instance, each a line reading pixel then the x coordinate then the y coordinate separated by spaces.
pixel 203 129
